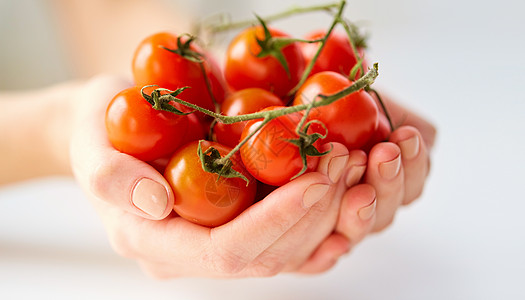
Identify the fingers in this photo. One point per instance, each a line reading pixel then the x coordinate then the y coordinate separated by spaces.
pixel 415 159
pixel 340 163
pixel 358 213
pixel 264 223
pixel 356 219
pixel 403 115
pixel 229 250
pixel 326 256
pixel 334 163
pixel 386 175
pixel 114 177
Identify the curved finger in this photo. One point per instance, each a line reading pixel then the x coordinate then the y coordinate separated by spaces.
pixel 108 174
pixel 334 163
pixel 357 214
pixel 415 160
pixel 264 223
pixel 356 167
pixel 326 256
pixel 403 115
pixel 385 173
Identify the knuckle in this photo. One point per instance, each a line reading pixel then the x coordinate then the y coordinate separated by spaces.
pixel 224 258
pixel 268 267
pixel 121 244
pixel 228 262
pixel 383 225
pixel 98 180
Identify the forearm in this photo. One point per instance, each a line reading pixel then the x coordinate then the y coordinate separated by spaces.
pixel 35 130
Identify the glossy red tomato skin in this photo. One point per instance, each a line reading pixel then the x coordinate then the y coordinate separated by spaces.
pixel 351 120
pixel 197 130
pixel 136 128
pixel 199 197
pixel 268 156
pixel 337 54
pixel 244 101
pixel 381 134
pixel 154 65
pixel 244 70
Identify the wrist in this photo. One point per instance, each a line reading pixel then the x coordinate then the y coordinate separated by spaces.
pixel 35 133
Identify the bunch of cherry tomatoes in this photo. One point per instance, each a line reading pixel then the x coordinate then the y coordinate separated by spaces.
pixel 213 184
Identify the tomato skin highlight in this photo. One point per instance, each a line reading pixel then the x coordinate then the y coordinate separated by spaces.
pixel 381 134
pixel 268 156
pixel 154 65
pixel 244 101
pixel 351 120
pixel 244 70
pixel 337 54
pixel 136 128
pixel 199 197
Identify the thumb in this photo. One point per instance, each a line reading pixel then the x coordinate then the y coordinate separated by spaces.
pixel 106 173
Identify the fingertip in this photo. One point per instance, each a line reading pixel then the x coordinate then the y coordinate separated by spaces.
pixel 326 255
pixel 334 163
pixel 273 216
pixel 131 185
pixel 409 140
pixel 356 167
pixel 358 211
pixel 385 161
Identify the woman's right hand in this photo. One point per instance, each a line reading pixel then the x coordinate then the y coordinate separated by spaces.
pixel 291 230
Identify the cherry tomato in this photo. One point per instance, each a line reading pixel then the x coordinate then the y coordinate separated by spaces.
pixel 337 54
pixel 197 130
pixel 238 103
pixel 202 198
pixel 136 128
pixel 153 64
pixel 351 120
pixel 243 69
pixel 381 134
pixel 268 156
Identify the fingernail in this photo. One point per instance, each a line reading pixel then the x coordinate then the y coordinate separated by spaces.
pixel 389 169
pixel 314 193
pixel 150 197
pixel 336 167
pixel 409 147
pixel 365 213
pixel 354 174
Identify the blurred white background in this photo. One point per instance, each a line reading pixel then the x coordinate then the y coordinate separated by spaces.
pixel 460 63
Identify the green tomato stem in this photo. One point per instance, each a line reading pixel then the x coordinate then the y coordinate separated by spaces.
pixel 309 67
pixel 359 84
pixel 285 14
pixel 348 30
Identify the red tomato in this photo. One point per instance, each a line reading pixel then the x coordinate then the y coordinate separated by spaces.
pixel 337 54
pixel 199 196
pixel 152 64
pixel 351 120
pixel 268 156
pixel 381 134
pixel 136 128
pixel 242 102
pixel 243 69
pixel 197 130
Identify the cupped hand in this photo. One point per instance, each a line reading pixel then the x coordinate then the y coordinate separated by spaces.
pixel 398 169
pixel 291 230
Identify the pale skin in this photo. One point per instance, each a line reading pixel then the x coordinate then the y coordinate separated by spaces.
pixel 302 227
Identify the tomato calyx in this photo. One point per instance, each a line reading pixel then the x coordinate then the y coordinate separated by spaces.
pixel 161 101
pixel 213 162
pixel 305 143
pixel 272 46
pixel 184 49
